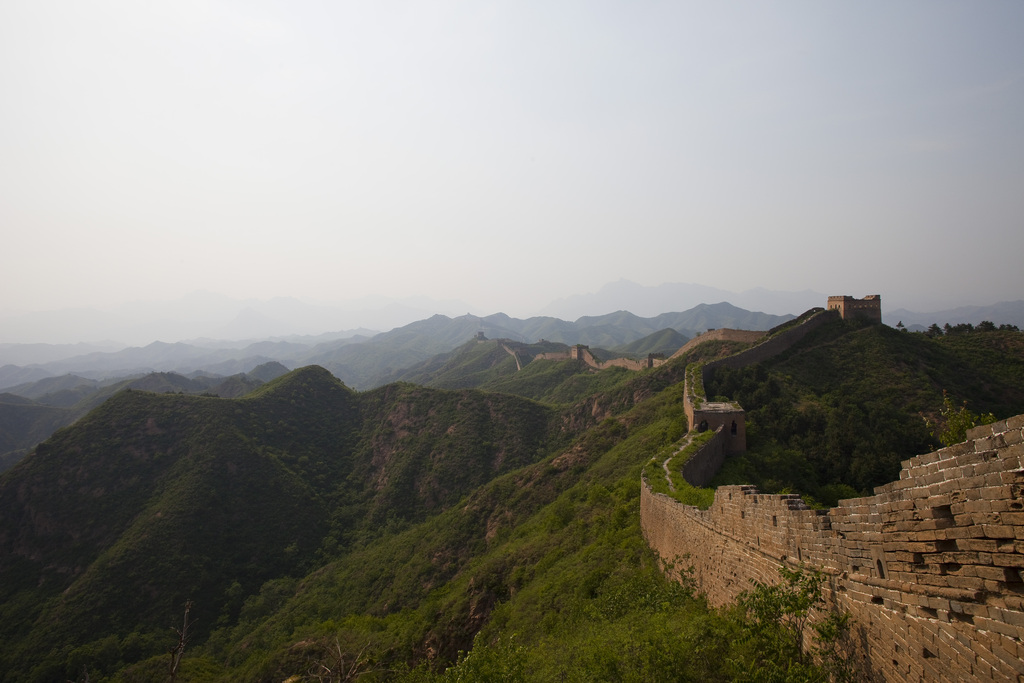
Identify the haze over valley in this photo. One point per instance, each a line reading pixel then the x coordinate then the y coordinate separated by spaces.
pixel 338 168
pixel 429 342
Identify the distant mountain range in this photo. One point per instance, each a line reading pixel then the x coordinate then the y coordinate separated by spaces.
pixel 69 380
pixel 651 301
pixel 1003 313
pixel 40 398
pixel 207 316
pixel 398 523
pixel 362 362
pixel 364 359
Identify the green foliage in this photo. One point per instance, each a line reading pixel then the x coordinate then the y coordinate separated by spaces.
pixel 844 408
pixel 172 497
pixel 695 380
pixel 672 483
pixel 666 341
pixel 955 421
pixel 387 532
pixel 556 541
pixel 773 622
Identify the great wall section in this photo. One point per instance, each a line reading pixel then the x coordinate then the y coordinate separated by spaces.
pixel 930 568
pixel 581 352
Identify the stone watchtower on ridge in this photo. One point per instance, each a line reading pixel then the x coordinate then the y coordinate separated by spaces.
pixel 868 308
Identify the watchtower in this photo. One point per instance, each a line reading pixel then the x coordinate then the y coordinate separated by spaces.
pixel 578 351
pixel 868 308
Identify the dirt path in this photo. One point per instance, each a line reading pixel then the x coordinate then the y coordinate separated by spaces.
pixel 664 465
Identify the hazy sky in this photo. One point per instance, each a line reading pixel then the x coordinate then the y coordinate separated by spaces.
pixel 509 153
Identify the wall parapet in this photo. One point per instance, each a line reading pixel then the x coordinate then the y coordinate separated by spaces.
pixel 702 414
pixel 582 353
pixel 702 466
pixel 773 343
pixel 930 566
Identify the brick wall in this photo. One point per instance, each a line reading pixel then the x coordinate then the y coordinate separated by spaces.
pixel 713 415
pixel 703 465
pixel 869 308
pixel 930 567
pixel 721 334
pixel 773 345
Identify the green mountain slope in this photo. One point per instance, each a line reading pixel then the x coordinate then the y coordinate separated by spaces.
pixel 848 404
pixel 23 424
pixel 387 356
pixel 477 363
pixel 384 532
pixel 48 386
pixel 469 365
pixel 59 401
pixel 156 498
pixel 515 368
pixel 666 341
pixel 371 363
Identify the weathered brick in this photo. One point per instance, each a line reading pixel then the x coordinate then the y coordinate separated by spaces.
pixel 1007 559
pixel 1012 437
pixel 934 575
pixel 998 531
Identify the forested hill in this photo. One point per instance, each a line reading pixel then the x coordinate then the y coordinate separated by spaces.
pixel 155 498
pixel 850 402
pixel 383 532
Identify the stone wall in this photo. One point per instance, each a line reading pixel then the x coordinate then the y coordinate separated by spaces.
pixel 930 567
pixel 703 465
pixel 584 354
pixel 553 355
pixel 774 343
pixel 868 308
pixel 702 414
pixel 722 334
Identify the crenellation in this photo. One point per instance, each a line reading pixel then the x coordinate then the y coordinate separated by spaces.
pixel 930 567
pixel 848 308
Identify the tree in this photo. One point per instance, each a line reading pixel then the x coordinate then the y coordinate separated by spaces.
pixel 934 330
pixel 900 326
pixel 955 421
pixel 774 620
pixel 179 647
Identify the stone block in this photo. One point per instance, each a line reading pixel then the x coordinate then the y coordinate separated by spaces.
pixel 994 478
pixel 998 492
pixel 1012 476
pixel 974 609
pixel 984 443
pixel 1012 437
pixel 1015 450
pixel 980 431
pixel 929 563
pixel 998 531
pixel 1013 560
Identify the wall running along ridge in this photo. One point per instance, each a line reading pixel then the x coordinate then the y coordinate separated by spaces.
pixel 582 353
pixel 729 419
pixel 930 567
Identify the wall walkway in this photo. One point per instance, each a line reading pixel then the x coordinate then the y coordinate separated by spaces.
pixel 930 567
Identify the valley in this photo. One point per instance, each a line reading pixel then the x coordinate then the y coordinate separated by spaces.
pixel 483 521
